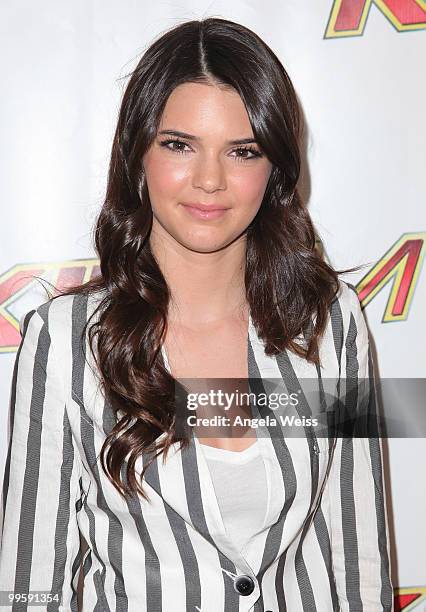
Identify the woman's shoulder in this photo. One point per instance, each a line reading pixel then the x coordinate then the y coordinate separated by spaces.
pixel 61 314
pixel 347 298
pixel 346 307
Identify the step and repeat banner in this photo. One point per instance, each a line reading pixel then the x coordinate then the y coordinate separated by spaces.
pixel 358 68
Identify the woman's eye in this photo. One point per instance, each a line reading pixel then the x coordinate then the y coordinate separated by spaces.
pixel 252 153
pixel 180 143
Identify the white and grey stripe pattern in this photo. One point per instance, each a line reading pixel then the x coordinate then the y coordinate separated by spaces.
pixel 324 548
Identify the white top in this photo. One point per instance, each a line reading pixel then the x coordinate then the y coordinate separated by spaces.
pixel 239 480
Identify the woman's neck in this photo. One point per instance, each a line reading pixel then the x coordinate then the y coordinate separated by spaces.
pixel 205 287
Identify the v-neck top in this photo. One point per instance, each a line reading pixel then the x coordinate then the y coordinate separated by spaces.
pixel 251 495
pixel 240 483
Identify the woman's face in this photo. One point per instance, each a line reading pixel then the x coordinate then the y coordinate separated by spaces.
pixel 202 166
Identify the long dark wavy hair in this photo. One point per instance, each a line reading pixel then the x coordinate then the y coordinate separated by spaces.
pixel 286 279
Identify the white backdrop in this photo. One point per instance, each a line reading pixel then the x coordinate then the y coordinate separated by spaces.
pixel 358 68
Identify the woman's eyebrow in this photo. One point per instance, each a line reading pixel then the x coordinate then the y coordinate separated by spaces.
pixel 239 141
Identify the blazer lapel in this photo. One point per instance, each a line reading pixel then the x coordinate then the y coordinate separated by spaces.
pixel 185 485
pixel 184 481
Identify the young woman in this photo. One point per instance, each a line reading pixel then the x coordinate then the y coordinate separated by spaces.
pixel 208 270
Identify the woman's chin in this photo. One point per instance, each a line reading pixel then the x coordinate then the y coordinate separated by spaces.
pixel 205 246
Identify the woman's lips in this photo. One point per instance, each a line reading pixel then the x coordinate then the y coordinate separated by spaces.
pixel 199 213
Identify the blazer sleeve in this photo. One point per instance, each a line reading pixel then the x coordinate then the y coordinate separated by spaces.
pixel 40 540
pixel 355 491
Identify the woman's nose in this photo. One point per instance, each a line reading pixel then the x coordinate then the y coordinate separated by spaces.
pixel 209 174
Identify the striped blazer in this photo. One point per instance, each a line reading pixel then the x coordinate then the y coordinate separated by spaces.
pixel 326 548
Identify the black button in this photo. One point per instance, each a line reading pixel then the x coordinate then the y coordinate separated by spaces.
pixel 244 585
